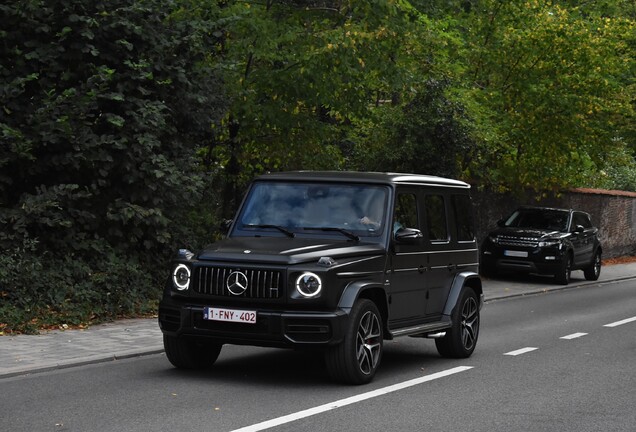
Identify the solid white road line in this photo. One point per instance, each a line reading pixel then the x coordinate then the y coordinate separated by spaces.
pixel 520 351
pixel 573 336
pixel 350 400
pixel 617 323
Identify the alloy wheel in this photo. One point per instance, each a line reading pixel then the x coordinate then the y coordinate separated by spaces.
pixel 368 342
pixel 469 323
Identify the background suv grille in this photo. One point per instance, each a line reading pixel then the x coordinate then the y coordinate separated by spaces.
pixel 267 284
pixel 518 241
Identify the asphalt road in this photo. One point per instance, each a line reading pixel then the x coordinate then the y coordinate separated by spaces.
pixel 548 362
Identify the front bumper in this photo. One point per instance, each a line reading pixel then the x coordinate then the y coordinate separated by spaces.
pixel 538 260
pixel 273 328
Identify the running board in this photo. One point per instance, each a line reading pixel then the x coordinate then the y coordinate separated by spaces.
pixel 422 329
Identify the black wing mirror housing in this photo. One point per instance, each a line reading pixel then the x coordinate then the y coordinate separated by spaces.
pixel 408 235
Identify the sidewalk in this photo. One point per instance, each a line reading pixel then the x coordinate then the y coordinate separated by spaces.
pixel 23 354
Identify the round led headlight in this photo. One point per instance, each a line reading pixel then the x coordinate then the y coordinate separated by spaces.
pixel 308 284
pixel 181 277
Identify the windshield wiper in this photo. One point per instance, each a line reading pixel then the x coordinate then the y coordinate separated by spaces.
pixel 343 231
pixel 287 232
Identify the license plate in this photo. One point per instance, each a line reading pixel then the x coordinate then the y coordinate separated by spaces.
pixel 231 315
pixel 519 254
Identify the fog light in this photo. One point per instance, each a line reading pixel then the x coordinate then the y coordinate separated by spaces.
pixel 550 258
pixel 181 277
pixel 308 284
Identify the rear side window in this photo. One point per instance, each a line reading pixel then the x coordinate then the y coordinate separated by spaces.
pixel 405 211
pixel 581 219
pixel 463 217
pixel 436 218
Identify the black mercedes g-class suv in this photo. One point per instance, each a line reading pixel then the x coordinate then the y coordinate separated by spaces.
pixel 335 261
pixel 544 241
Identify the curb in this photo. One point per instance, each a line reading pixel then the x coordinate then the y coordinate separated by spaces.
pixel 94 359
pixel 556 288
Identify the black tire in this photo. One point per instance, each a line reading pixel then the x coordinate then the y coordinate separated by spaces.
pixel 563 276
pixel 594 270
pixel 461 339
pixel 357 358
pixel 190 354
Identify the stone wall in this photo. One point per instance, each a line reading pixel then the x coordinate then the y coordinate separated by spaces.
pixel 614 212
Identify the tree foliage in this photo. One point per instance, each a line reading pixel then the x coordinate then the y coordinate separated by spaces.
pixel 103 106
pixel 550 82
pixel 301 75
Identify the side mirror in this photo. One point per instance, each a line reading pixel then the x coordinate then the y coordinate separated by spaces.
pixel 579 229
pixel 408 235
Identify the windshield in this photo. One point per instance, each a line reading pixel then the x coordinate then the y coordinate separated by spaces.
pixel 554 220
pixel 309 208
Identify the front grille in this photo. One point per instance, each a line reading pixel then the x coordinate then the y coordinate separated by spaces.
pixel 260 284
pixel 530 242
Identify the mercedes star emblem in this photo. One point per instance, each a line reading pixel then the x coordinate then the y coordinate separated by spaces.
pixel 236 283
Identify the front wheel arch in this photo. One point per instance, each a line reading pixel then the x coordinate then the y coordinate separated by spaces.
pixel 364 290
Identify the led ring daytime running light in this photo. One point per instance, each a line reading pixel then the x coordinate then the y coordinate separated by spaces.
pixel 178 282
pixel 308 284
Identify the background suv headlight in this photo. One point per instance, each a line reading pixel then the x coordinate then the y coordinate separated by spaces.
pixel 308 284
pixel 181 277
pixel 548 243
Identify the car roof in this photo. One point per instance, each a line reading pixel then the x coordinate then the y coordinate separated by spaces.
pixel 365 177
pixel 555 209
pixel 531 207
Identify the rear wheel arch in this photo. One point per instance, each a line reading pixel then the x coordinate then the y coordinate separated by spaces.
pixel 469 279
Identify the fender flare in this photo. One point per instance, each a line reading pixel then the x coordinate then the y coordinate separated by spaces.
pixel 462 279
pixel 354 291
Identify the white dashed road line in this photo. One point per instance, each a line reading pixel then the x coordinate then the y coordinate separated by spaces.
pixel 617 323
pixel 350 400
pixel 573 336
pixel 520 351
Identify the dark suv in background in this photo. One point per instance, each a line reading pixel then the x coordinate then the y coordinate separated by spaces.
pixel 544 241
pixel 334 262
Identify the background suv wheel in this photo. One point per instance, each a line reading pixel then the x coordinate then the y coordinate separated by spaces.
pixel 594 270
pixel 563 276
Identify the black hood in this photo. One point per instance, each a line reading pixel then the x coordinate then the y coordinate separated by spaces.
pixel 527 232
pixel 285 250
